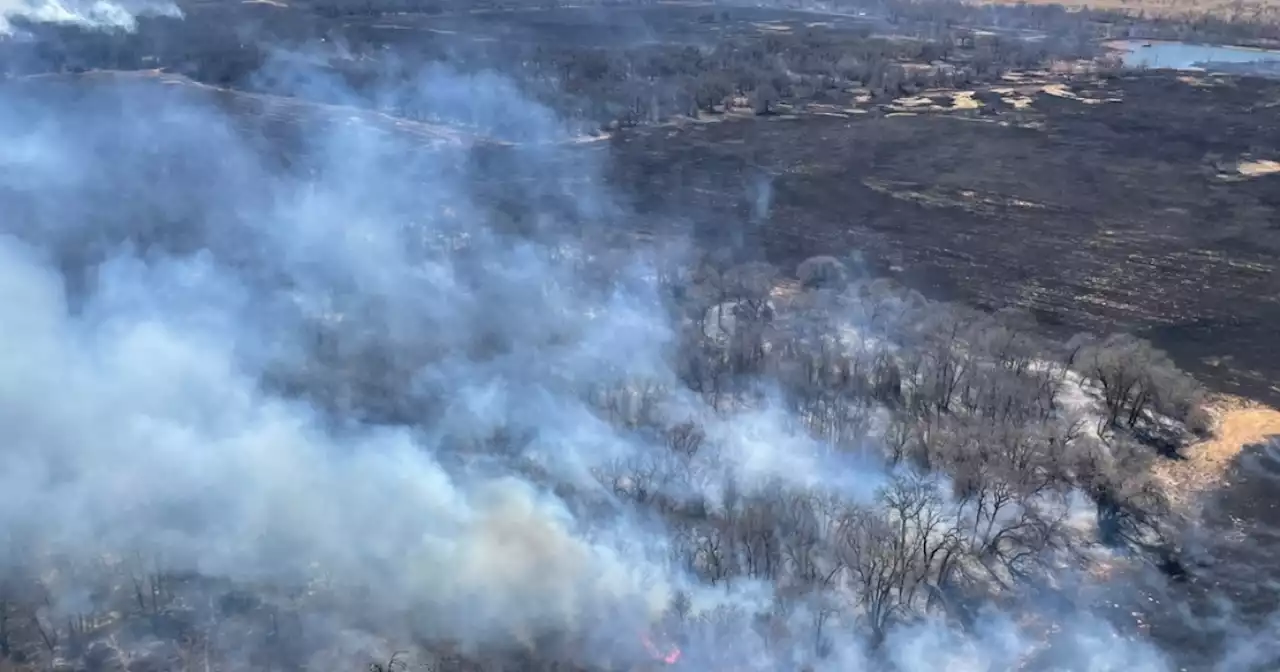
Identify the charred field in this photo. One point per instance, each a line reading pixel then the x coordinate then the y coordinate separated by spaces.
pixel 1125 215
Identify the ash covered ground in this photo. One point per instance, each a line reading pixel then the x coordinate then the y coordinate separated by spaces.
pixel 327 349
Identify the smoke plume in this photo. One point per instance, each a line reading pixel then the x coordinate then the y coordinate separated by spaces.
pixel 96 14
pixel 328 368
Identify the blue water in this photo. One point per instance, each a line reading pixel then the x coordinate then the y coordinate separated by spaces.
pixel 1183 55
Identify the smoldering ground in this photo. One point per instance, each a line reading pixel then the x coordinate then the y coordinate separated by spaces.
pixel 338 383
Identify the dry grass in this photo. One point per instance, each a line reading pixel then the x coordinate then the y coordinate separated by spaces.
pixel 1059 90
pixel 1018 99
pixel 935 101
pixel 1237 423
pixel 1258 168
pixel 964 100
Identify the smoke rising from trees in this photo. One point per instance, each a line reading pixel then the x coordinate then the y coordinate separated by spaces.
pixel 305 407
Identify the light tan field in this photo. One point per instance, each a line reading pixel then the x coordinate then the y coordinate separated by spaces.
pixel 1239 9
pixel 1237 423
pixel 1260 167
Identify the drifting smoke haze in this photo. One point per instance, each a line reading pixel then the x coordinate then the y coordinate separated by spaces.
pixel 141 425
pixel 344 382
pixel 88 13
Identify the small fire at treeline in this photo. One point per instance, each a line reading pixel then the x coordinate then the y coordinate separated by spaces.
pixel 669 656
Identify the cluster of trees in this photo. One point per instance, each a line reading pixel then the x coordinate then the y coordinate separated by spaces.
pixel 986 441
pixel 650 84
pixel 705 60
pixel 995 423
pixel 989 431
pixel 933 383
pixel 722 58
pixel 702 61
pixel 597 83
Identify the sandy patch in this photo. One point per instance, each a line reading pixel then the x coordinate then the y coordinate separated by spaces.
pixel 1258 168
pixel 918 67
pixel 1063 91
pixel 1059 90
pixel 1237 423
pixel 1018 98
pixel 964 100
pixel 772 27
pixel 960 100
pixel 589 138
pixel 918 101
pixel 1192 80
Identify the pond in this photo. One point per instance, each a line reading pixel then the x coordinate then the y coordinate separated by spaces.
pixel 1185 55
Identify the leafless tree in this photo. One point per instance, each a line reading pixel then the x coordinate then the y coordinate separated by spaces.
pixel 1134 378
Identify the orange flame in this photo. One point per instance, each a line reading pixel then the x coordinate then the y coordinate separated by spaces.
pixel 671 657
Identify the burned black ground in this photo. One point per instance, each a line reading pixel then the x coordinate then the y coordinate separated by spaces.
pixel 1116 216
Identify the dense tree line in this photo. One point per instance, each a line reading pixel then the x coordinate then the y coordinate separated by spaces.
pixel 902 47
pixel 600 84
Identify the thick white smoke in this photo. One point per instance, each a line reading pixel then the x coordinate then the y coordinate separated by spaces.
pixel 274 373
pixel 138 422
pixel 105 14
